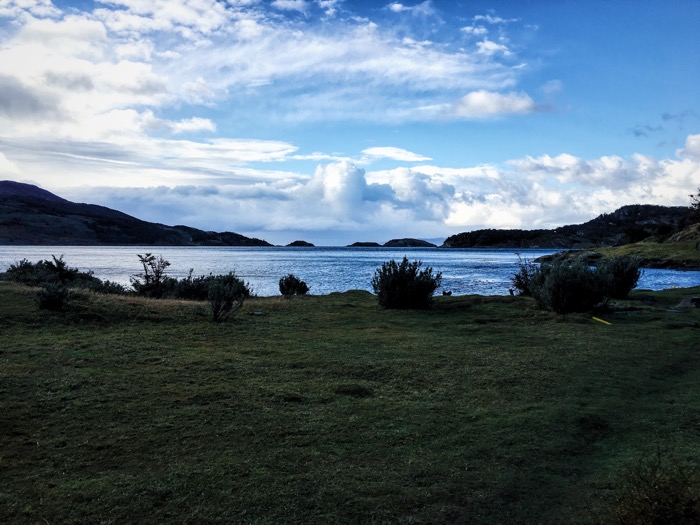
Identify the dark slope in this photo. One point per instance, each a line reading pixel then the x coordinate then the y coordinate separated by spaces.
pixel 626 225
pixel 31 215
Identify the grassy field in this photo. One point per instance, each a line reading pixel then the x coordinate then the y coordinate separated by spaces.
pixel 332 410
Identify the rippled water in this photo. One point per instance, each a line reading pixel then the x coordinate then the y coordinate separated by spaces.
pixel 325 270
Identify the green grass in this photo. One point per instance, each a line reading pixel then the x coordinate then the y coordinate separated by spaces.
pixel 671 254
pixel 332 410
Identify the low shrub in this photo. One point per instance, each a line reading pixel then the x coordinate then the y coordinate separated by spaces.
pixel 404 285
pixel 57 271
pixel 567 287
pixel 190 288
pixel 226 295
pixel 658 491
pixel 622 274
pixel 53 296
pixel 291 285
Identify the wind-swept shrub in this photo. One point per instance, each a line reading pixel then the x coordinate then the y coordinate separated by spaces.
pixel 565 287
pixel 291 285
pixel 404 285
pixel 622 274
pixel 152 282
pixel 523 280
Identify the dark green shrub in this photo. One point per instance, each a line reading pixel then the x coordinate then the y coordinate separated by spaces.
pixel 226 295
pixel 657 491
pixel 107 287
pixel 566 287
pixel 152 282
pixel 57 271
pixel 622 274
pixel 52 296
pixel 404 285
pixel 191 288
pixel 291 285
pixel 42 272
pixel 523 280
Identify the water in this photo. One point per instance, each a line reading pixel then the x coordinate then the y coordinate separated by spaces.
pixel 325 270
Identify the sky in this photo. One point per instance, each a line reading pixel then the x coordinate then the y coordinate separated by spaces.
pixel 336 121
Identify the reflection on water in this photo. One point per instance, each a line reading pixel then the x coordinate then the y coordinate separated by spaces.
pixel 325 270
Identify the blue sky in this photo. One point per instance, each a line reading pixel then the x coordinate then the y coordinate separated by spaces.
pixel 339 121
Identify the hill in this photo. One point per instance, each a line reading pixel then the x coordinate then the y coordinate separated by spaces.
pixel 626 225
pixel 31 215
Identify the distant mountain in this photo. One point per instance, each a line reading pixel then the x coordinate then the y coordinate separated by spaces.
pixel 626 225
pixel 31 215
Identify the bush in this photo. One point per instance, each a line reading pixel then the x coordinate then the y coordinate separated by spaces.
pixel 190 288
pixel 52 296
pixel 565 287
pixel 57 271
pixel 523 280
pixel 657 491
pixel 152 282
pixel 405 285
pixel 622 274
pixel 226 295
pixel 291 285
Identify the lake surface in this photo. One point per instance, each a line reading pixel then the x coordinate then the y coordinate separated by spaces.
pixel 325 270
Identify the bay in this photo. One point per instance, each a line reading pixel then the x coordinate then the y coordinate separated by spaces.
pixel 325 269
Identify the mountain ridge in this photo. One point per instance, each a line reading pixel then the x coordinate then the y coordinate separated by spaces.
pixel 32 215
pixel 628 224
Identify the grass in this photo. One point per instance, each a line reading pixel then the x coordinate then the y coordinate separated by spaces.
pixel 332 410
pixel 671 254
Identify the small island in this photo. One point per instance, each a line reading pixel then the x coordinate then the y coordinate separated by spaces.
pixel 300 244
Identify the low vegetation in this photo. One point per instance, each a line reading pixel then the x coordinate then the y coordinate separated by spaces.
pixel 290 285
pixel 571 285
pixel 484 410
pixel 404 285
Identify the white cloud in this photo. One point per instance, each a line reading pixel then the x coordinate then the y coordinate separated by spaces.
pixel 330 7
pixel 7 167
pixel 475 30
pixel 482 103
pixel 291 5
pixel 22 8
pixel 192 125
pixel 424 8
pixel 691 150
pixel 394 154
pixel 490 19
pixel 397 7
pixel 489 48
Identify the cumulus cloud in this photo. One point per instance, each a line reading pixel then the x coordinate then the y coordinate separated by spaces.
pixel 482 103
pixel 475 30
pixel 22 8
pixel 691 150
